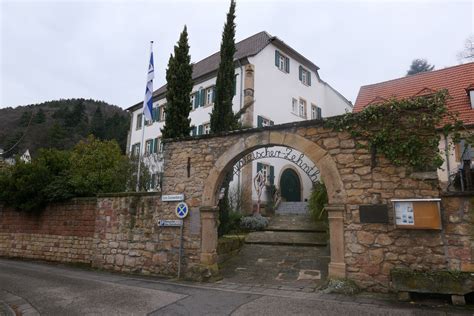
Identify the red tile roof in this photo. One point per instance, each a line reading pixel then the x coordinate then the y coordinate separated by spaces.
pixel 455 79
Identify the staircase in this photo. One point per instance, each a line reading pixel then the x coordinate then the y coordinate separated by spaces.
pixel 292 208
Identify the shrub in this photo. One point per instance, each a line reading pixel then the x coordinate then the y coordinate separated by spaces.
pixel 317 200
pixel 255 222
pixel 341 286
pixel 98 167
pixel 54 175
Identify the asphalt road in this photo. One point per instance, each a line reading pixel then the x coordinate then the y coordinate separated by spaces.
pixel 60 290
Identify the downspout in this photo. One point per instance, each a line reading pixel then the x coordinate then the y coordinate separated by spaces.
pixel 446 152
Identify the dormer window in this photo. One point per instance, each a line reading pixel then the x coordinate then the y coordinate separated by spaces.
pixel 470 94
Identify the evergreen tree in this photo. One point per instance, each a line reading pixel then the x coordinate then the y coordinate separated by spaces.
pixel 25 119
pixel 40 117
pixel 98 124
pixel 419 65
pixel 222 116
pixel 179 86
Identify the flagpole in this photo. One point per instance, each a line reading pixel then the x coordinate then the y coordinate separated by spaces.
pixel 144 125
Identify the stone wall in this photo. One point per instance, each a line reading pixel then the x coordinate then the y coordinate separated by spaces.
pixel 363 252
pixel 63 232
pixel 128 239
pixel 116 232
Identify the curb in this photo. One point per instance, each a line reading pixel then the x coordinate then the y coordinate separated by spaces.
pixel 11 304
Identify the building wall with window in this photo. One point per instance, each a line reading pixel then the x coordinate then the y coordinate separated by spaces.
pixel 285 90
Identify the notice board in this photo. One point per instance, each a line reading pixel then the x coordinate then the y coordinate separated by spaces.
pixel 417 213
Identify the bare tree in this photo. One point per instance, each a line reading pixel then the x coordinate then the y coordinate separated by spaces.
pixel 467 54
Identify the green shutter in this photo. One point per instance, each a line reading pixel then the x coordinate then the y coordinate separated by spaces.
pixel 309 78
pixel 200 130
pixel 194 131
pixel 272 123
pixel 320 114
pixel 287 64
pixel 272 175
pixel 155 145
pixel 259 121
pixel 196 100
pixel 277 59
pixel 259 167
pixel 203 97
pixel 300 73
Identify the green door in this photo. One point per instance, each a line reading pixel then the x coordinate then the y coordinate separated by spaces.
pixel 290 186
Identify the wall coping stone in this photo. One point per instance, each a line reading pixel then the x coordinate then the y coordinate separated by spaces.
pixel 126 194
pixel 313 123
pixel 460 194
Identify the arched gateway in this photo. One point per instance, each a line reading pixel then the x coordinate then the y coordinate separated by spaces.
pixel 196 167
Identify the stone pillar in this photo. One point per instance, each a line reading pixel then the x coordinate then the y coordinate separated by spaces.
pixel 209 235
pixel 337 266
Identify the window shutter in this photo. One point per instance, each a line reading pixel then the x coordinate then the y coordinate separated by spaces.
pixel 194 131
pixel 300 73
pixel 196 100
pixel 259 167
pixel 213 94
pixel 287 64
pixel 309 78
pixel 277 59
pixel 200 128
pixel 319 114
pixel 259 121
pixel 272 123
pixel 155 145
pixel 203 97
pixel 272 175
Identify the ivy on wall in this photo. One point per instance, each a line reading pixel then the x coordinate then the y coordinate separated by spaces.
pixel 405 131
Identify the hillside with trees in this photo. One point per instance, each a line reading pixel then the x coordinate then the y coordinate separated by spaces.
pixel 60 124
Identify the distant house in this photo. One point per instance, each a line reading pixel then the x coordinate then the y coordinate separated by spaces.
pixel 278 83
pixel 458 80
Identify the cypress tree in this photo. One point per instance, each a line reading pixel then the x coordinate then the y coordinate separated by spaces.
pixel 179 86
pixel 222 116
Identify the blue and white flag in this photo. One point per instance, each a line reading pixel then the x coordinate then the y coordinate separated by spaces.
pixel 148 102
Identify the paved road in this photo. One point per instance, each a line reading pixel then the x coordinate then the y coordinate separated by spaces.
pixel 37 288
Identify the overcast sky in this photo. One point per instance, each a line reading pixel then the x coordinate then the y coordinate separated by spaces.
pixel 99 49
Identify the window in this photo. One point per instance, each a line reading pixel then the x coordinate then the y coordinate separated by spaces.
pixel 302 108
pixel 262 121
pixel 156 114
pixel 200 130
pixel 149 147
pixel 139 121
pixel 282 62
pixel 193 101
pixel 162 113
pixel 158 148
pixel 471 97
pixel 315 112
pixel 305 76
pixel 135 149
pixel 155 182
pixel 207 128
pixel 294 106
pixel 210 96
pixel 268 172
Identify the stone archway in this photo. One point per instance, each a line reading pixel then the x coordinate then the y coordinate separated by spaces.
pixel 318 155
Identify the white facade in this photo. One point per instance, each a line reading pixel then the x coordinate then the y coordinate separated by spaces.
pixel 280 96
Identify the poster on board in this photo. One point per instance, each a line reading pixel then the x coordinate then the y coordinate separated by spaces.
pixel 404 214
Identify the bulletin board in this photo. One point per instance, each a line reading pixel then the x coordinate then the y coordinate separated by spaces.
pixel 417 213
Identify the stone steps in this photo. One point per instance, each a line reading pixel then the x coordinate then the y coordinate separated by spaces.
pixel 303 223
pixel 292 208
pixel 287 238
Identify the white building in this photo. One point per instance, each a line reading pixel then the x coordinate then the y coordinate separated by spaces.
pixel 275 84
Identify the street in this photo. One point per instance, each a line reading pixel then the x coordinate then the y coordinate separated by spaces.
pixel 33 288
